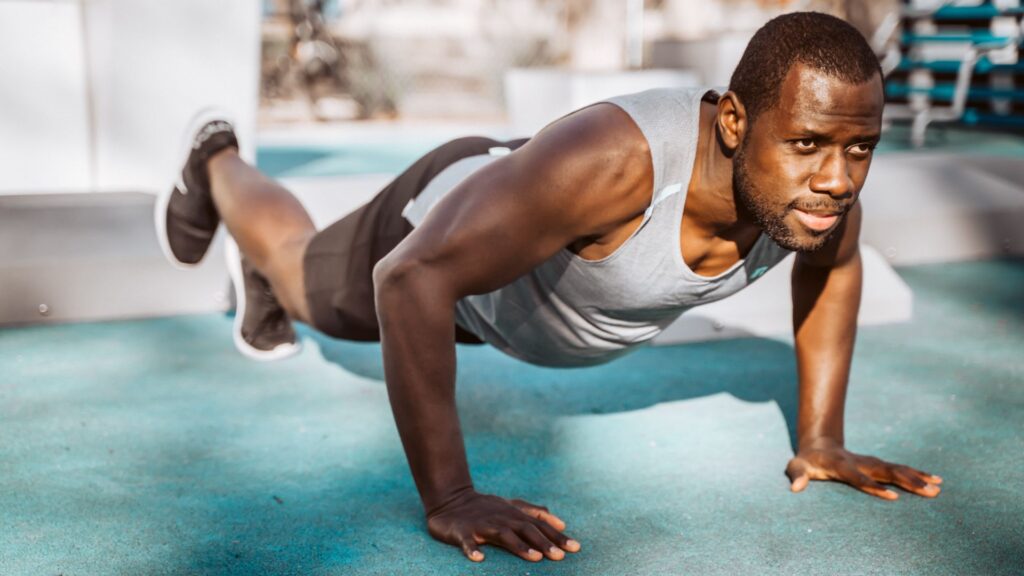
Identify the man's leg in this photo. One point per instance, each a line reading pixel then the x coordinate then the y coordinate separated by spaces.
pixel 269 227
pixel 288 268
pixel 273 231
pixel 269 224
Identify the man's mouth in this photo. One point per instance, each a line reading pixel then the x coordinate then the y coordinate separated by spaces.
pixel 817 220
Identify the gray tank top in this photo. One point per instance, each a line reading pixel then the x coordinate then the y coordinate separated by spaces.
pixel 569 311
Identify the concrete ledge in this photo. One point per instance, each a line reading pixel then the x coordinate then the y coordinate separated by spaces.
pixel 83 257
pixel 939 207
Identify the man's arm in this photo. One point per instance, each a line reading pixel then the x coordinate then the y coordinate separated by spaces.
pixel 826 299
pixel 580 177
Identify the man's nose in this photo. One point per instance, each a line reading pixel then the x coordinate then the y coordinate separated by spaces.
pixel 833 177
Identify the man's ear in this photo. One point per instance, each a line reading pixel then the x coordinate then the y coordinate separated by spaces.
pixel 731 120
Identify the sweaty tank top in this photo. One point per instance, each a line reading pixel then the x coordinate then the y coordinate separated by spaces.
pixel 569 311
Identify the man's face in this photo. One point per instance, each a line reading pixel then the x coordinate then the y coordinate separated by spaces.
pixel 801 165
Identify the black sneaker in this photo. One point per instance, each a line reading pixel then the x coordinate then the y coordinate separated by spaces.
pixel 186 218
pixel 263 330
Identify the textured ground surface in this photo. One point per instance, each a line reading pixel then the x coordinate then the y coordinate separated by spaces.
pixel 153 448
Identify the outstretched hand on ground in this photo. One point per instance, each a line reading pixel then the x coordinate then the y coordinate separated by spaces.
pixel 828 460
pixel 526 530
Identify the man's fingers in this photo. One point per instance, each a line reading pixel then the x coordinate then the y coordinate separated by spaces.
pixel 539 512
pixel 798 474
pixel 800 483
pixel 877 469
pixel 471 549
pixel 861 481
pixel 509 540
pixel 929 478
pixel 563 541
pixel 894 469
pixel 906 479
pixel 532 535
pixel 469 543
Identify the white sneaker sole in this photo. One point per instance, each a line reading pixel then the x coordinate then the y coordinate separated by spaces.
pixel 281 351
pixel 164 199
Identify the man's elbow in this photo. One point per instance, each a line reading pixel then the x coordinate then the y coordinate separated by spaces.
pixel 407 282
pixel 388 272
pixel 392 276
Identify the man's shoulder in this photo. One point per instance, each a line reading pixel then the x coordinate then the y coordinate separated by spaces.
pixel 598 138
pixel 595 162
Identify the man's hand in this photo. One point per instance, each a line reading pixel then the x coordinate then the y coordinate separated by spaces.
pixel 524 529
pixel 828 460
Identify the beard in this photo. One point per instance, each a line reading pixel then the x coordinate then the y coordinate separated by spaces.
pixel 752 203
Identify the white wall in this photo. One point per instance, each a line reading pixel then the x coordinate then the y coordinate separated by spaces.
pixel 96 92
pixel 44 126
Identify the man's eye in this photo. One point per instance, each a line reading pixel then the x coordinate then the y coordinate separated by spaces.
pixel 804 144
pixel 862 149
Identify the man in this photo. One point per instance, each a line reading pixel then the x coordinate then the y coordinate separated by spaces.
pixel 571 249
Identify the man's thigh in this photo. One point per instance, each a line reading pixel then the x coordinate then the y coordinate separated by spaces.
pixel 339 260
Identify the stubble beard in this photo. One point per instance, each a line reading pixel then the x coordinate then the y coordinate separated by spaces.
pixel 751 206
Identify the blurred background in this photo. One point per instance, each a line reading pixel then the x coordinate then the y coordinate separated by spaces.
pixel 457 58
pixel 334 97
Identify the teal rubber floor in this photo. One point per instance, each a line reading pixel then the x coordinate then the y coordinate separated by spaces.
pixel 152 448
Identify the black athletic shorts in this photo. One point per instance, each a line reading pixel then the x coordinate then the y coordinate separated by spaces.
pixel 339 260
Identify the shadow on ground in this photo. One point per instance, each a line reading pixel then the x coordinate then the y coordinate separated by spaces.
pixel 752 370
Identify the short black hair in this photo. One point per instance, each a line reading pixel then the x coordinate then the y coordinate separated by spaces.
pixel 820 41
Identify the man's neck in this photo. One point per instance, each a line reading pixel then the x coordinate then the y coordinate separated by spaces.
pixel 710 202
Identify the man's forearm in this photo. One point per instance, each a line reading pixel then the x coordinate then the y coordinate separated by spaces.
pixel 418 343
pixel 826 301
pixel 825 306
